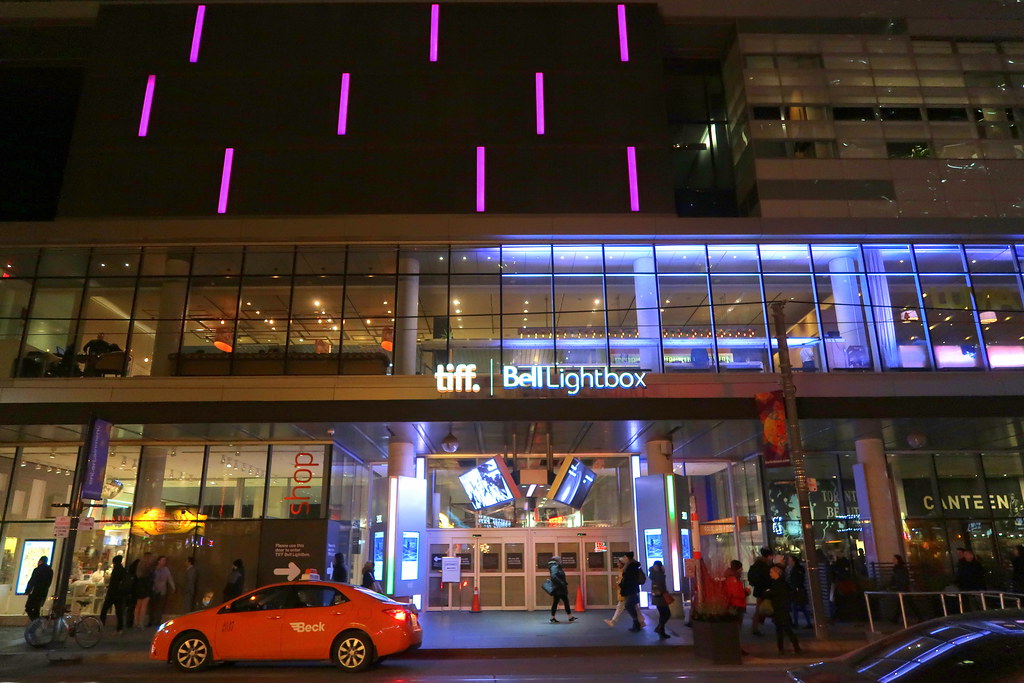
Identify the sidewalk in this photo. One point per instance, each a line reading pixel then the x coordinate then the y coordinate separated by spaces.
pixel 494 635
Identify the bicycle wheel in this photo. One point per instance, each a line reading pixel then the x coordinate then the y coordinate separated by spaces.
pixel 39 633
pixel 88 632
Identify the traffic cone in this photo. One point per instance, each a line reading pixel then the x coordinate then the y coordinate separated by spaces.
pixel 579 600
pixel 476 599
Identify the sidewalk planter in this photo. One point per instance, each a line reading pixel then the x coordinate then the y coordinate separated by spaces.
pixel 718 641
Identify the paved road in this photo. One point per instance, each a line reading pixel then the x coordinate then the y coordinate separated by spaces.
pixel 541 669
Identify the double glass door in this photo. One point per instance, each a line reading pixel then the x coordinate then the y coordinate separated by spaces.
pixel 509 566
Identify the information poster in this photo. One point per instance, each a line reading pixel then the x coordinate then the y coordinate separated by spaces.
pixel 378 555
pixel 490 562
pixel 514 562
pixel 451 570
pixel 290 548
pixel 31 551
pixel 652 546
pixel 569 561
pixel 465 560
pixel 595 560
pixel 410 555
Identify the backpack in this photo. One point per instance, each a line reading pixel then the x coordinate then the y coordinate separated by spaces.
pixel 639 576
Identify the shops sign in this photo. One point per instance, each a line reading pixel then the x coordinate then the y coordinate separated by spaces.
pixel 461 378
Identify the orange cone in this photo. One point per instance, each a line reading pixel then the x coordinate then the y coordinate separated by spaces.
pixel 579 600
pixel 476 599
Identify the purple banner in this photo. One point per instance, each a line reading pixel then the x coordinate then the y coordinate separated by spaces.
pixel 96 464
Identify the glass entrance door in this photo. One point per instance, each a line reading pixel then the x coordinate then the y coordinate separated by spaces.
pixel 495 561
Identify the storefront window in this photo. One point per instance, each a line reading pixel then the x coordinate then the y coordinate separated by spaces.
pixel 7 456
pixel 296 482
pixel 23 545
pixel 42 480
pixel 235 478
pixel 739 321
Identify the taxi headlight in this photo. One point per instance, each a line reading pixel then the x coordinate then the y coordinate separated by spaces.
pixel 165 626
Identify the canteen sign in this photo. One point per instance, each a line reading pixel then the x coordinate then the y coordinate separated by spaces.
pixel 461 378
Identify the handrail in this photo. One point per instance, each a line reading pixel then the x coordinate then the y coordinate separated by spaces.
pixel 1016 600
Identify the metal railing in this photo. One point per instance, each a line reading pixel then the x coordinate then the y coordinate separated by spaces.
pixel 974 601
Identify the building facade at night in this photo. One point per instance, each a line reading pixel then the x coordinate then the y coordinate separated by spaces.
pixel 318 263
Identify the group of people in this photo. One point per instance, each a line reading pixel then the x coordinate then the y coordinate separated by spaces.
pixel 630 580
pixel 780 593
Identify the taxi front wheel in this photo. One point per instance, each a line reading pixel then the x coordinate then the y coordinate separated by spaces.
pixel 191 652
pixel 353 651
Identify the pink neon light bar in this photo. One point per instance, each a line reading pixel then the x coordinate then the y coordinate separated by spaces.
pixel 147 106
pixel 343 105
pixel 435 11
pixel 623 37
pixel 197 33
pixel 225 180
pixel 634 190
pixel 540 103
pixel 481 153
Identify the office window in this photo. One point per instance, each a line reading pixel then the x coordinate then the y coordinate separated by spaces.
pixel 853 113
pixel 798 61
pixel 947 114
pixel 766 113
pixel 920 149
pixel 900 114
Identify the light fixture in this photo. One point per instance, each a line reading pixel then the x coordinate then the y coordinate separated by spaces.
pixel 909 316
pixel 387 339
pixel 450 443
pixel 222 340
pixel 988 317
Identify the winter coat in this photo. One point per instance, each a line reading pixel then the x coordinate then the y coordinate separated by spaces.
pixel 735 593
pixel 558 579
pixel 119 585
pixel 658 587
pixel 368 580
pixel 633 578
pixel 797 580
pixel 38 586
pixel 758 577
pixel 235 584
pixel 970 576
pixel 780 595
pixel 1018 574
pixel 900 578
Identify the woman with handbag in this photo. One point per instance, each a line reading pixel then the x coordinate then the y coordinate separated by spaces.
pixel 777 604
pixel 660 597
pixel 558 587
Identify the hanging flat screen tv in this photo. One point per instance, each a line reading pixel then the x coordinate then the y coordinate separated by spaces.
pixel 489 484
pixel 572 483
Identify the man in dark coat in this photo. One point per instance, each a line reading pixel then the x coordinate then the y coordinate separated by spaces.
pixel 38 587
pixel 633 578
pixel 559 588
pixel 759 579
pixel 780 595
pixel 117 589
pixel 970 574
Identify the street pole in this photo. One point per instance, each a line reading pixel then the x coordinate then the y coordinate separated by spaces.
pixel 796 451
pixel 67 551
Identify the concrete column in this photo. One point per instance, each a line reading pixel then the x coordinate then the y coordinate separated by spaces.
pixel 407 317
pixel 149 488
pixel 648 323
pixel 401 459
pixel 238 498
pixel 659 456
pixel 172 311
pixel 847 306
pixel 879 522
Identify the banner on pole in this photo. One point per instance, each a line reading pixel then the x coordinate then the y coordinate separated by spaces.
pixel 96 464
pixel 771 410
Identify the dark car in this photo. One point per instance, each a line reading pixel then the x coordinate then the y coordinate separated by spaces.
pixel 978 647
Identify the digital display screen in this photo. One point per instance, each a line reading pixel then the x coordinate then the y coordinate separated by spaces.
pixel 489 484
pixel 410 555
pixel 573 483
pixel 31 551
pixel 378 554
pixel 652 546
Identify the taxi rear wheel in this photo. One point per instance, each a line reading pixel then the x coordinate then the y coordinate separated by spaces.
pixel 191 652
pixel 353 651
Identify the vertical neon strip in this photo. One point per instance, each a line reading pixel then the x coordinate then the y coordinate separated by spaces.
pixel 343 105
pixel 540 103
pixel 634 190
pixel 673 529
pixel 435 12
pixel 634 469
pixel 197 33
pixel 147 106
pixel 225 180
pixel 391 551
pixel 481 176
pixel 623 37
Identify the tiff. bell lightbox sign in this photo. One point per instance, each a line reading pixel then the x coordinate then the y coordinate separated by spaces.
pixel 462 378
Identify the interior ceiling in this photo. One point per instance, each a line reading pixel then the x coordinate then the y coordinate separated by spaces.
pixel 692 439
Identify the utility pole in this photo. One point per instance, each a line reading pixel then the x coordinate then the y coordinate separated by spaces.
pixel 796 452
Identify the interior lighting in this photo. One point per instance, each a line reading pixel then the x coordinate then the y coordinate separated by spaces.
pixel 197 33
pixel 387 339
pixel 222 340
pixel 147 107
pixel 988 317
pixel 225 180
pixel 343 106
pixel 634 191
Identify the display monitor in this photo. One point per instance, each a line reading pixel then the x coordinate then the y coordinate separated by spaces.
pixel 572 483
pixel 31 551
pixel 489 484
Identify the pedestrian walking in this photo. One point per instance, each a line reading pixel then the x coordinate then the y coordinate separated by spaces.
pixel 1018 569
pixel 620 607
pixel 759 578
pixel 163 587
pixel 633 579
pixel 38 587
pixel 558 587
pixel 117 589
pixel 900 583
pixel 659 596
pixel 339 572
pixel 779 595
pixel 796 577
pixel 142 589
pixel 235 584
pixel 190 585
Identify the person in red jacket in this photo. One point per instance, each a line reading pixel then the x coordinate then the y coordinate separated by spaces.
pixel 736 593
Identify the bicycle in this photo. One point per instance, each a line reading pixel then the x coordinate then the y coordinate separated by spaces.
pixel 87 631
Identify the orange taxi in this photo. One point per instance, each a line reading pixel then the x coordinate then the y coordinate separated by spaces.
pixel 351 626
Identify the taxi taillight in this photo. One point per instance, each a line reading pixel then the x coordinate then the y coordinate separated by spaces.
pixel 397 614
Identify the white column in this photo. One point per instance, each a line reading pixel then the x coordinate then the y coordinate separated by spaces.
pixel 659 456
pixel 645 283
pixel 172 312
pixel 847 304
pixel 879 522
pixel 149 488
pixel 407 317
pixel 401 459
